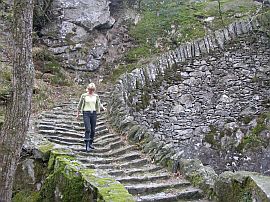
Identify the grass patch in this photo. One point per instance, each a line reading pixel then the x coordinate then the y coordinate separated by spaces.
pixel 166 24
pixel 26 196
pixel 121 69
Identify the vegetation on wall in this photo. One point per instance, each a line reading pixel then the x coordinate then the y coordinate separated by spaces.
pixel 166 24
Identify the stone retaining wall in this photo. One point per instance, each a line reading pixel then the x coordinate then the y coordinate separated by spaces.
pixel 183 105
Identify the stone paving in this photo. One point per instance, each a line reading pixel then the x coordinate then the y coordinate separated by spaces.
pixel 123 161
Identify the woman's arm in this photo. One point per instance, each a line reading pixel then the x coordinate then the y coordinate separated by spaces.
pixel 99 104
pixel 80 105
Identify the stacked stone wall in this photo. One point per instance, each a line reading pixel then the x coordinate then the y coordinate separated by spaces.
pixel 207 100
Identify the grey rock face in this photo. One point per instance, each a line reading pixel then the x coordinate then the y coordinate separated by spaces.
pixel 89 14
pixel 81 22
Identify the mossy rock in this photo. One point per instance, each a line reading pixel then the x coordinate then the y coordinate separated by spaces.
pixel 107 188
pixel 44 150
pixel 199 175
pixel 242 186
pixel 69 181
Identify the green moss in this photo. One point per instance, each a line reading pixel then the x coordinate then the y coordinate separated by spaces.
pixel 115 192
pixel 212 137
pixel 240 186
pixel 42 54
pixel 165 24
pixel 247 119
pixel 108 189
pixel 45 149
pixel 170 165
pixel 50 64
pixel 253 140
pixel 68 182
pixel 195 179
pixel 26 196
pixel 60 79
pixel 53 67
pixel 242 191
pixel 121 69
pixel 135 54
pixel 65 179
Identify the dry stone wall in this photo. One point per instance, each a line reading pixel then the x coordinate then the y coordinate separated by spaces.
pixel 203 115
pixel 207 100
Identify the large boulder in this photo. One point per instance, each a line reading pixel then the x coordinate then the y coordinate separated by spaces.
pixel 89 14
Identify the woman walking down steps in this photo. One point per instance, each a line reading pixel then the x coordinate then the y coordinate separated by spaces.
pixel 115 156
pixel 90 105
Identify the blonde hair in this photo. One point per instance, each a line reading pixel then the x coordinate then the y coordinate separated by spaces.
pixel 92 86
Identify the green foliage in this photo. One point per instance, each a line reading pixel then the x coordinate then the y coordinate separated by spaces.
pixel 26 196
pixel 53 67
pixel 241 192
pixel 212 136
pixel 121 69
pixel 253 140
pixel 266 22
pixel 165 24
pixel 135 54
pixel 42 54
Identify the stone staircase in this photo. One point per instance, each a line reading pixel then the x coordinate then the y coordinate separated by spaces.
pixel 124 162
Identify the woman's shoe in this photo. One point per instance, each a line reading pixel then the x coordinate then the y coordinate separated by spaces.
pixel 87 146
pixel 91 146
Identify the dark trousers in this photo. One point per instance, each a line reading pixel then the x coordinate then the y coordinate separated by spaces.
pixel 90 120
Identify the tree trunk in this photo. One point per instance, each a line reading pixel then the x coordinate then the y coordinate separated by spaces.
pixel 18 111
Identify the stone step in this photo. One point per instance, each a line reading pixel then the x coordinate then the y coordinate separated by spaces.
pixel 64 142
pixel 104 137
pixel 79 139
pixel 69 114
pixel 134 163
pixel 135 171
pixel 66 127
pixel 98 148
pixel 106 149
pixel 101 160
pixel 102 132
pixel 54 132
pixel 67 124
pixel 59 133
pixel 143 188
pixel 126 163
pixel 64 117
pixel 173 195
pixel 144 178
pixel 104 142
pixel 110 153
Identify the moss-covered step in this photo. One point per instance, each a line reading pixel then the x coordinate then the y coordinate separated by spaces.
pixel 70 181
